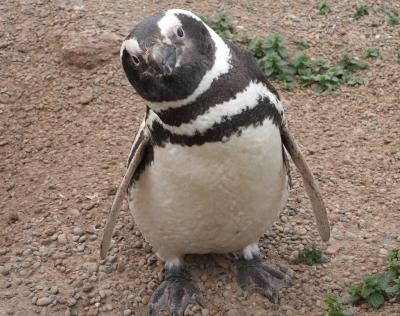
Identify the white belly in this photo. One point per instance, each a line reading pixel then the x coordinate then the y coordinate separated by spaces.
pixel 213 198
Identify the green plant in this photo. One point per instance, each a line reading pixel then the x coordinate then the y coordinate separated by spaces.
pixel 221 23
pixel 243 39
pixel 361 10
pixel 372 52
pixel 394 263
pixel 397 56
pixel 372 289
pixel 394 19
pixel 310 256
pixel 323 8
pixel 301 43
pixel 261 47
pixel 353 80
pixel 394 290
pixel 350 64
pixel 274 66
pixel 334 307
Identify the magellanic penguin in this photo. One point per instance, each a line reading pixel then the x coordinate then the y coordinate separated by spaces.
pixel 207 169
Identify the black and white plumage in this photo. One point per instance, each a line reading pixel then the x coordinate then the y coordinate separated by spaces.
pixel 213 176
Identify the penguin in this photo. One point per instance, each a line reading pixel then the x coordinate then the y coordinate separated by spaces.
pixel 208 167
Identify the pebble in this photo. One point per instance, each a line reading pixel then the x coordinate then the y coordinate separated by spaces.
pixel 62 239
pixel 86 97
pixel 350 236
pixel 383 252
pixel 4 271
pixel 78 231
pixel 71 301
pixel 91 267
pixel 332 249
pixel 127 312
pixel 54 289
pixel 205 312
pixel 44 301
pixel 233 312
pixel 87 287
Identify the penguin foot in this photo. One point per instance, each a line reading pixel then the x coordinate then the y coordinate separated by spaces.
pixel 174 294
pixel 255 276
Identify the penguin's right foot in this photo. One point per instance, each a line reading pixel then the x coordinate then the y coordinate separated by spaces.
pixel 175 293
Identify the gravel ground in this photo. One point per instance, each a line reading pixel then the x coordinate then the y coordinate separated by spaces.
pixel 68 115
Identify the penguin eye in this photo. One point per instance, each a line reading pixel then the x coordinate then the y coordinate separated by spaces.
pixel 135 60
pixel 179 32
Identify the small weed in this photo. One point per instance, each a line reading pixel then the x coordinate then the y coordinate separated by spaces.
pixel 274 66
pixel 301 43
pixel 334 307
pixel 376 288
pixel 353 80
pixel 271 44
pixel 243 39
pixel 361 10
pixel 310 256
pixel 372 52
pixel 372 289
pixel 350 64
pixel 323 8
pixel 393 19
pixel 397 56
pixel 221 23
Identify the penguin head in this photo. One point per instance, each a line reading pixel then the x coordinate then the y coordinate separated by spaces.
pixel 167 55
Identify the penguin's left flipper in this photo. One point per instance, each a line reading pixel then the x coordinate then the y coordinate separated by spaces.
pixel 310 184
pixel 256 276
pixel 175 293
pixel 136 156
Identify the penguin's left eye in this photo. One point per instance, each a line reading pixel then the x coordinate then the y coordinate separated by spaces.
pixel 179 32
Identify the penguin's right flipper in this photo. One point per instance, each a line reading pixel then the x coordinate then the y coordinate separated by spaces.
pixel 135 157
pixel 310 184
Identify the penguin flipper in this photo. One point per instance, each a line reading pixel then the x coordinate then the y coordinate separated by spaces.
pixel 310 184
pixel 136 156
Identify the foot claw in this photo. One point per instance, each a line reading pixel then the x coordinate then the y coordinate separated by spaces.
pixel 254 276
pixel 174 294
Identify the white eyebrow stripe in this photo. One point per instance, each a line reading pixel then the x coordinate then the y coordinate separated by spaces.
pixel 132 46
pixel 168 22
pixel 222 65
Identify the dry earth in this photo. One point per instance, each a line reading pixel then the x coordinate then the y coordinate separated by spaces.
pixel 67 118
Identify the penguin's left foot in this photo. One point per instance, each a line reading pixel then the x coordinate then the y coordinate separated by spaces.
pixel 175 293
pixel 255 276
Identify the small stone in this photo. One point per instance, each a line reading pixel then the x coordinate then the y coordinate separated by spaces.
pixel 93 237
pixel 71 301
pixel 233 312
pixel 54 289
pixel 43 301
pixel 86 97
pixel 127 312
pixel 145 299
pixel 383 252
pixel 82 238
pixel 205 312
pixel 91 267
pixel 120 267
pixel 34 300
pixel 78 231
pixel 332 249
pixel 4 271
pixel 350 236
pixel 62 239
pixel 87 287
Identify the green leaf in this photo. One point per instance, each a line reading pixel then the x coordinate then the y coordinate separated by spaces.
pixel 376 300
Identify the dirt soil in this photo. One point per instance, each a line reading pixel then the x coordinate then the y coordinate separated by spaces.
pixel 67 119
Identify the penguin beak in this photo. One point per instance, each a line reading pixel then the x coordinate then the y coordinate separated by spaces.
pixel 165 58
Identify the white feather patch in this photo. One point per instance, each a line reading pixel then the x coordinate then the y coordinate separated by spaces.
pixel 221 64
pixel 250 251
pixel 246 99
pixel 168 22
pixel 132 46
